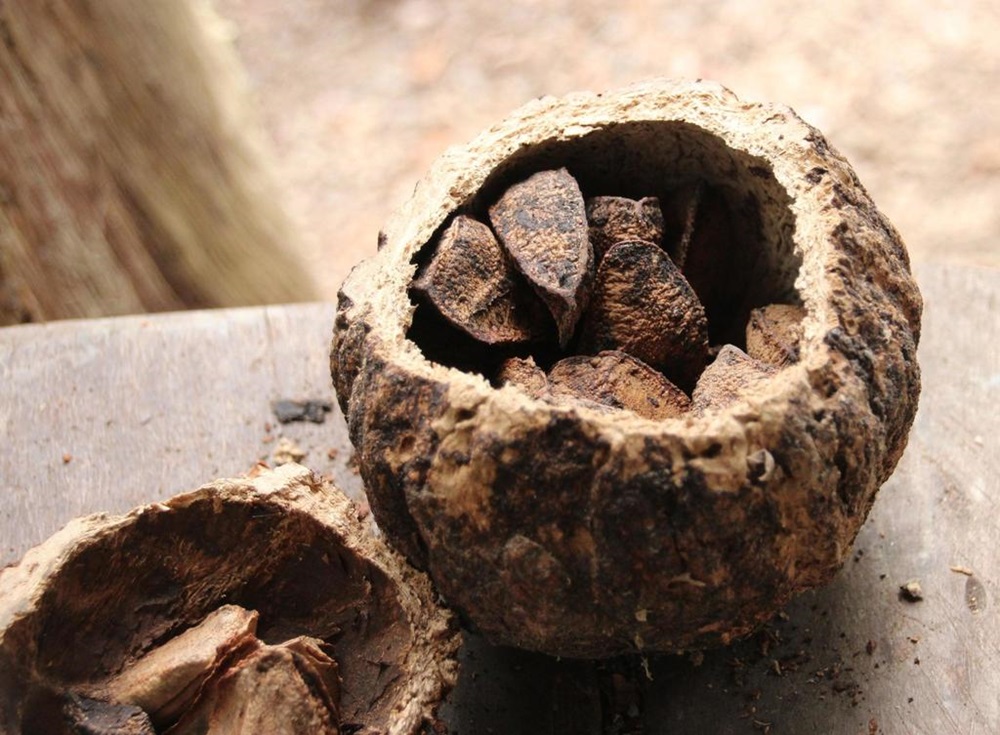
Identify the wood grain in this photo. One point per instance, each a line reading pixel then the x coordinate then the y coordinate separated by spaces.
pixel 151 406
pixel 107 414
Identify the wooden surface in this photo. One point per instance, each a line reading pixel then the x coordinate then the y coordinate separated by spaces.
pixel 104 415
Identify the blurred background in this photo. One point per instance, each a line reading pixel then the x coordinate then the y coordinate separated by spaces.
pixel 346 103
pixel 358 96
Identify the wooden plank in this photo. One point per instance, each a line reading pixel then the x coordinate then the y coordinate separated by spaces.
pixel 107 414
pixel 150 406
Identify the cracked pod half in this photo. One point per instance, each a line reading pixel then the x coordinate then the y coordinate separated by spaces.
pixel 576 530
pixel 172 617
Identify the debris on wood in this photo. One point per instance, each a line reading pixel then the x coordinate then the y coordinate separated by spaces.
pixel 975 595
pixel 911 591
pixel 314 410
pixel 287 451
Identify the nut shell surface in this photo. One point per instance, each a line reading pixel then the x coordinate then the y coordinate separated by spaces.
pixel 580 533
pixel 105 590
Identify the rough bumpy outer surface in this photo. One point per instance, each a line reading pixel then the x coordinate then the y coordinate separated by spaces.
pixel 580 533
pixel 105 590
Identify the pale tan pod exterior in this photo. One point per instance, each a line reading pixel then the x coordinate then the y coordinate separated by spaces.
pixel 577 533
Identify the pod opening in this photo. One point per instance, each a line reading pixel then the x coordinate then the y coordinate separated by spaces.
pixel 650 242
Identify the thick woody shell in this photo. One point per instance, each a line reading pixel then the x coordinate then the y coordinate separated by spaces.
pixel 773 333
pixel 587 533
pixel 104 591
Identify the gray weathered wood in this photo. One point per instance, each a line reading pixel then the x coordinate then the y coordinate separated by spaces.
pixel 150 406
pixel 146 407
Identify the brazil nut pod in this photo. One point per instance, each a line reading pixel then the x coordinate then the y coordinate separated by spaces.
pixel 576 529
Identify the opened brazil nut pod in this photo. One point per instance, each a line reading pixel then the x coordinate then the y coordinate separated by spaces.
pixel 248 605
pixel 576 529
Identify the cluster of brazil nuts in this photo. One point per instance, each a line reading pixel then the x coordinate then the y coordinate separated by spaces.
pixel 606 302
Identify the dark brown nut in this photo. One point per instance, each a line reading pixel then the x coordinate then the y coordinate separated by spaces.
pixel 84 611
pixel 525 374
pixel 68 713
pixel 731 376
pixel 774 332
pixel 643 306
pixel 542 223
pixel 589 534
pixel 471 281
pixel 617 219
pixel 618 380
pixel 720 265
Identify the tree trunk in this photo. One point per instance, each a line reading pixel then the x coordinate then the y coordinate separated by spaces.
pixel 131 177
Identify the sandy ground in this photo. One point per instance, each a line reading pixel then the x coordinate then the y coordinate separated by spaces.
pixel 358 96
